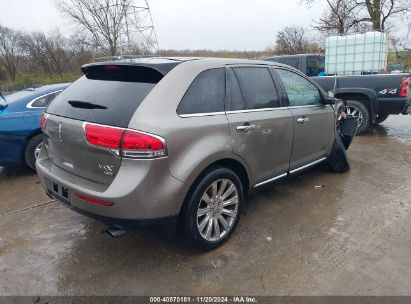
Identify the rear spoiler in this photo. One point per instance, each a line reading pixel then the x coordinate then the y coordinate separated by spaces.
pixel 162 68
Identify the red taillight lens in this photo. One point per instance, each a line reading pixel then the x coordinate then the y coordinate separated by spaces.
pixel 142 145
pixel 133 144
pixel 103 136
pixel 134 140
pixel 95 201
pixel 43 120
pixel 404 87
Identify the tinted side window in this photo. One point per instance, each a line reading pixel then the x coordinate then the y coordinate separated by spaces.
pixel 300 91
pixel 258 88
pixel 44 101
pixel 237 99
pixel 291 62
pixel 206 93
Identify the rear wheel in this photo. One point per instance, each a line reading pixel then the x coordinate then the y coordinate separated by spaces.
pixel 338 159
pixel 381 118
pixel 212 209
pixel 32 150
pixel 360 112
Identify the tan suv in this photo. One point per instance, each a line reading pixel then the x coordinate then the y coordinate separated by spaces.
pixel 157 139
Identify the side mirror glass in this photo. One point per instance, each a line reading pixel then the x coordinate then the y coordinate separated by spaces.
pixel 331 94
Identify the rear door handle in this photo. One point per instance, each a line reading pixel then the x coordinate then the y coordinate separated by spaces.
pixel 303 119
pixel 245 128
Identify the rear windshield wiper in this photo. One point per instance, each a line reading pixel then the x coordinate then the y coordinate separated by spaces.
pixel 85 105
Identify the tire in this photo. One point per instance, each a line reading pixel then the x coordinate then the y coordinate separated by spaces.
pixel 381 118
pixel 30 154
pixel 338 159
pixel 190 221
pixel 357 109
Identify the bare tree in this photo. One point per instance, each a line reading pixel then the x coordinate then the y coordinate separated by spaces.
pixel 341 17
pixel 10 50
pixel 293 40
pixel 101 19
pixel 402 41
pixel 48 51
pixel 381 11
pixel 344 15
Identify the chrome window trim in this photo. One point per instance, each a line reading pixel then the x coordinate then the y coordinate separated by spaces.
pixel 30 104
pixel 308 165
pixel 201 114
pixel 245 111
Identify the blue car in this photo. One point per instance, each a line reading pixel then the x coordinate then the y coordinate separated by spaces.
pixel 20 132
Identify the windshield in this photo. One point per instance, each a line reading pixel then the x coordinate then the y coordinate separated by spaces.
pixel 315 65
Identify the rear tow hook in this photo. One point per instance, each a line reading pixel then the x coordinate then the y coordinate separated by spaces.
pixel 115 231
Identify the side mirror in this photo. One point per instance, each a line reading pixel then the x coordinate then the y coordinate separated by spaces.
pixel 329 100
pixel 331 94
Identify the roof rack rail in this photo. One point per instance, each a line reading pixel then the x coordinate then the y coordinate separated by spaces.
pixel 120 57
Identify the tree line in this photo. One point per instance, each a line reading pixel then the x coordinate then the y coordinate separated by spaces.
pixel 98 32
pixel 37 52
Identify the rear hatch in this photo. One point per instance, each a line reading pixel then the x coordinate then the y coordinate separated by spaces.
pixel 107 95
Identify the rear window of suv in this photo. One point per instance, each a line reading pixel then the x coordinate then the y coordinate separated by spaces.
pixel 107 94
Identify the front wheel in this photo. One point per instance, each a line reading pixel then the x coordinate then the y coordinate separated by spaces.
pixel 32 151
pixel 212 209
pixel 359 111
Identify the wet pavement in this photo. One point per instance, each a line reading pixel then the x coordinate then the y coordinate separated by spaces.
pixel 350 237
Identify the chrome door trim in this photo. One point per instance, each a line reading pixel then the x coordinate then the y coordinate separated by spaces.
pixel 307 106
pixel 308 165
pixel 256 110
pixel 271 180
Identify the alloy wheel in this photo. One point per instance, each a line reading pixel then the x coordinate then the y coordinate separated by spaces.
pixel 217 210
pixel 356 113
pixel 37 150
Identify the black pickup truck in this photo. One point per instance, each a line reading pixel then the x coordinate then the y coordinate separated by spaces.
pixel 369 98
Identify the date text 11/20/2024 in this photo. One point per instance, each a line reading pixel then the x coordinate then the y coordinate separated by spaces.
pixel 235 299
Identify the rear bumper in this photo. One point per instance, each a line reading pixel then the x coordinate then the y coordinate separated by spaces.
pixel 393 106
pixel 142 191
pixel 124 223
pixel 12 149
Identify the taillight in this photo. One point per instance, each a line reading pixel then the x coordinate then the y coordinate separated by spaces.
pixel 103 136
pixel 93 200
pixel 404 87
pixel 43 121
pixel 128 143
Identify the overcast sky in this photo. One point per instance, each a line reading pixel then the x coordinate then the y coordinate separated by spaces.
pixel 186 24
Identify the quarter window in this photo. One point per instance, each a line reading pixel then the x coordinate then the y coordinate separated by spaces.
pixel 44 101
pixel 300 91
pixel 206 93
pixel 258 87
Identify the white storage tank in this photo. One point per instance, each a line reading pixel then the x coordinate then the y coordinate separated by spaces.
pixel 356 54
